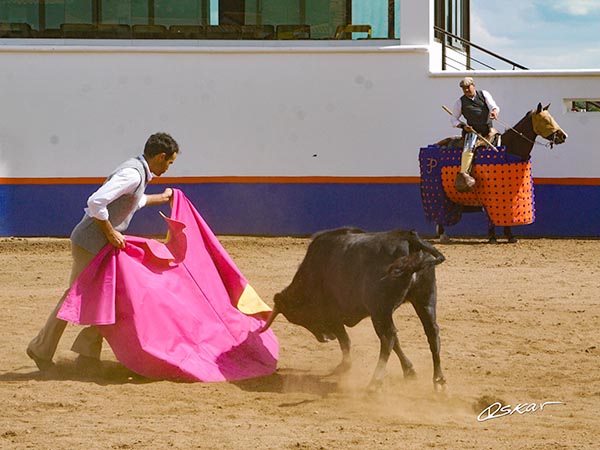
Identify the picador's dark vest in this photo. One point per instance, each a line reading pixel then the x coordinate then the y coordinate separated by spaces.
pixel 477 113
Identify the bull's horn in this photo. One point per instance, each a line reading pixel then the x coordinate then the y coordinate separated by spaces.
pixel 270 319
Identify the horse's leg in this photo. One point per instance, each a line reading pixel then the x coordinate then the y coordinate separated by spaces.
pixel 509 235
pixel 491 228
pixel 441 232
pixel 492 234
pixel 439 229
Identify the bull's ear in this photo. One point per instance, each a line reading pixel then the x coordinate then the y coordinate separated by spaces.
pixel 405 265
pixel 547 107
pixel 539 108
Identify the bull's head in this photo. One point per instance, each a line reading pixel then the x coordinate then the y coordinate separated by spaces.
pixel 307 314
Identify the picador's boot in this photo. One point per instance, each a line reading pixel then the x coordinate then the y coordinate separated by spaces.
pixel 466 161
pixel 464 181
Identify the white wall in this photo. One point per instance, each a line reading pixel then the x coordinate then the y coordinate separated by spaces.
pixel 243 111
pixel 252 111
pixel 248 110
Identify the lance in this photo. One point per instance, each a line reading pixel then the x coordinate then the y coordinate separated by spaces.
pixel 445 108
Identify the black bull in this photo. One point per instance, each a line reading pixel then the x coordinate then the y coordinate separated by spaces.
pixel 348 274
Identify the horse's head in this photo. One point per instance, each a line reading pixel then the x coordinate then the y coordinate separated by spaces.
pixel 544 125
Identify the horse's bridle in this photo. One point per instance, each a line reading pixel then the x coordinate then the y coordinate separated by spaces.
pixel 552 138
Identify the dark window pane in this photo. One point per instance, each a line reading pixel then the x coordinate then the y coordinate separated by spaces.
pixel 178 12
pixel 78 11
pixel 139 12
pixel 115 12
pixel 55 15
pixel 19 12
pixel 220 19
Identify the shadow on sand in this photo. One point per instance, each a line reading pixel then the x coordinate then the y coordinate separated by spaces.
pixel 114 373
pixel 111 373
pixel 466 242
pixel 291 381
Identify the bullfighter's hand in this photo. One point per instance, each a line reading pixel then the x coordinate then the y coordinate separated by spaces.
pixel 116 239
pixel 159 199
pixel 168 193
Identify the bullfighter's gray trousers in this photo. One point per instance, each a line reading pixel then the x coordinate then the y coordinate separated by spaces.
pixel 89 341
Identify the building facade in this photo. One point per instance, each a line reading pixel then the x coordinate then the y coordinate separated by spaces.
pixel 281 134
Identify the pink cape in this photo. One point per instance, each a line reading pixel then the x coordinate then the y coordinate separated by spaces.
pixel 174 311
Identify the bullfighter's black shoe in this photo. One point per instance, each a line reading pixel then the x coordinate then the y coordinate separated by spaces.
pixel 43 365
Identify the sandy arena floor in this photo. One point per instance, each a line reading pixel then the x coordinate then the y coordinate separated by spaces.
pixel 519 324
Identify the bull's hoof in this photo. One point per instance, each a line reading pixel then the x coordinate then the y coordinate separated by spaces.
pixel 342 368
pixel 410 374
pixel 439 384
pixel 444 239
pixel 375 387
pixel 512 240
pixel 492 240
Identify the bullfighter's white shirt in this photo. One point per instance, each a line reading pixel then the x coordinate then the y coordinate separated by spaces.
pixel 123 182
pixel 457 109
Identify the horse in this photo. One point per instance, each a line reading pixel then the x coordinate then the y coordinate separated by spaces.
pixel 517 145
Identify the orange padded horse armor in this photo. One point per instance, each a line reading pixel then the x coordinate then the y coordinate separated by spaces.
pixel 504 186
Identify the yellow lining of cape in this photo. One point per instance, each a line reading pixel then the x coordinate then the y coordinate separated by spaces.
pixel 251 303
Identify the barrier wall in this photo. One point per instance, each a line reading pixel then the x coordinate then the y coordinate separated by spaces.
pixel 279 140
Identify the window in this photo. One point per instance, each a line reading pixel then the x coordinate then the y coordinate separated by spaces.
pixel 584 105
pixel 453 17
pixel 197 19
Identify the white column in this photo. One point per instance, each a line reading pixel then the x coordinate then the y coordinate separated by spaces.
pixel 416 22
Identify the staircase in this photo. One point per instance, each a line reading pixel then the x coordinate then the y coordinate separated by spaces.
pixel 460 54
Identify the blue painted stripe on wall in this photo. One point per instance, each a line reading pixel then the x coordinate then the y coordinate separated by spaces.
pixel 293 209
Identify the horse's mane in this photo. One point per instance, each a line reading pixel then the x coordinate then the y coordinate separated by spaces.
pixel 519 124
pixel 516 139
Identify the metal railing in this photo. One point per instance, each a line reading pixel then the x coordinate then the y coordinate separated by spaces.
pixel 465 51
